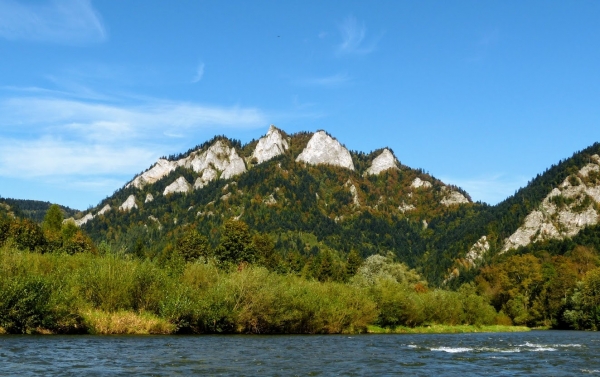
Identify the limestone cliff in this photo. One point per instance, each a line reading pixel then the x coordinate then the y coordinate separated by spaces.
pixel 383 162
pixel 271 145
pixel 564 211
pixel 477 251
pixel 180 185
pixel 323 149
pixel 452 197
pixel 419 183
pixel 84 219
pixel 161 169
pixel 104 209
pixel 128 204
pixel 219 157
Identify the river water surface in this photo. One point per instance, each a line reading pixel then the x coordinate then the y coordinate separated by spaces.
pixel 548 353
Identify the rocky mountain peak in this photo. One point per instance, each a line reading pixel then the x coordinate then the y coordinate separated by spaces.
pixel 271 145
pixel 323 149
pixel 383 162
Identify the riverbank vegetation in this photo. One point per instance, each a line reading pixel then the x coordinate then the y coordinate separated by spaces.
pixel 54 279
pixel 116 293
pixel 446 329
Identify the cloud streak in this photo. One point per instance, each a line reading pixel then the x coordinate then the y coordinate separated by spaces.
pixel 56 21
pixel 353 34
pixel 100 140
pixel 52 157
pixel 199 73
pixel 327 81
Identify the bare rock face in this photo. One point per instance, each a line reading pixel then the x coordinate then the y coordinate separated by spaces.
pixel 104 209
pixel 453 197
pixel 270 200
pixel 323 149
pixel 405 207
pixel 128 204
pixel 236 165
pixel 564 211
pixel 354 193
pixel 84 219
pixel 180 185
pixel 271 145
pixel 219 157
pixel 478 250
pixel 161 169
pixel 383 162
pixel 418 183
pixel 209 174
pixel 149 198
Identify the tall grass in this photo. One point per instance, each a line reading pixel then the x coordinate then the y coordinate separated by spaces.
pixel 112 293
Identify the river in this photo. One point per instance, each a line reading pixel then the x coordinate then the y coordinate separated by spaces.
pixel 549 353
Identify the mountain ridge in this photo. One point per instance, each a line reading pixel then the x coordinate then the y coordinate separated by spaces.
pixel 369 203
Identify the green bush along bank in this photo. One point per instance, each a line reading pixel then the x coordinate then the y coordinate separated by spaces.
pixel 115 293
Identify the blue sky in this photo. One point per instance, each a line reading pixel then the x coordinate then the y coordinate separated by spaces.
pixel 482 94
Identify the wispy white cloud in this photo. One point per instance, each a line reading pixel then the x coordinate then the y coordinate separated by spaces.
pixel 490 189
pixel 199 73
pixel 58 21
pixel 47 156
pixel 64 137
pixel 326 81
pixel 155 114
pixel 354 38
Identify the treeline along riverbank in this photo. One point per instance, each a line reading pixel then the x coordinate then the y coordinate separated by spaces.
pixel 54 279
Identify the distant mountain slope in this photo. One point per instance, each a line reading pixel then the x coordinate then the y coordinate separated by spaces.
pixel 34 209
pixel 552 209
pixel 306 190
pixel 312 195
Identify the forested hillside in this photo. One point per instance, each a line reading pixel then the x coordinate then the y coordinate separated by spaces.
pixel 35 209
pixel 306 209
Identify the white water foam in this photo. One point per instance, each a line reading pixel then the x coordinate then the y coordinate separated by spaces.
pixel 538 347
pixel 453 349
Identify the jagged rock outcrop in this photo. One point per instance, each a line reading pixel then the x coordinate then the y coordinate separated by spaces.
pixel 354 193
pixel 104 209
pixel 564 211
pixel 161 169
pixel 383 162
pixel 271 145
pixel 149 198
pixel 418 183
pixel 220 157
pixel 209 174
pixel 270 200
pixel 405 207
pixel 128 204
pixel 84 219
pixel 180 185
pixel 452 197
pixel 477 251
pixel 323 149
